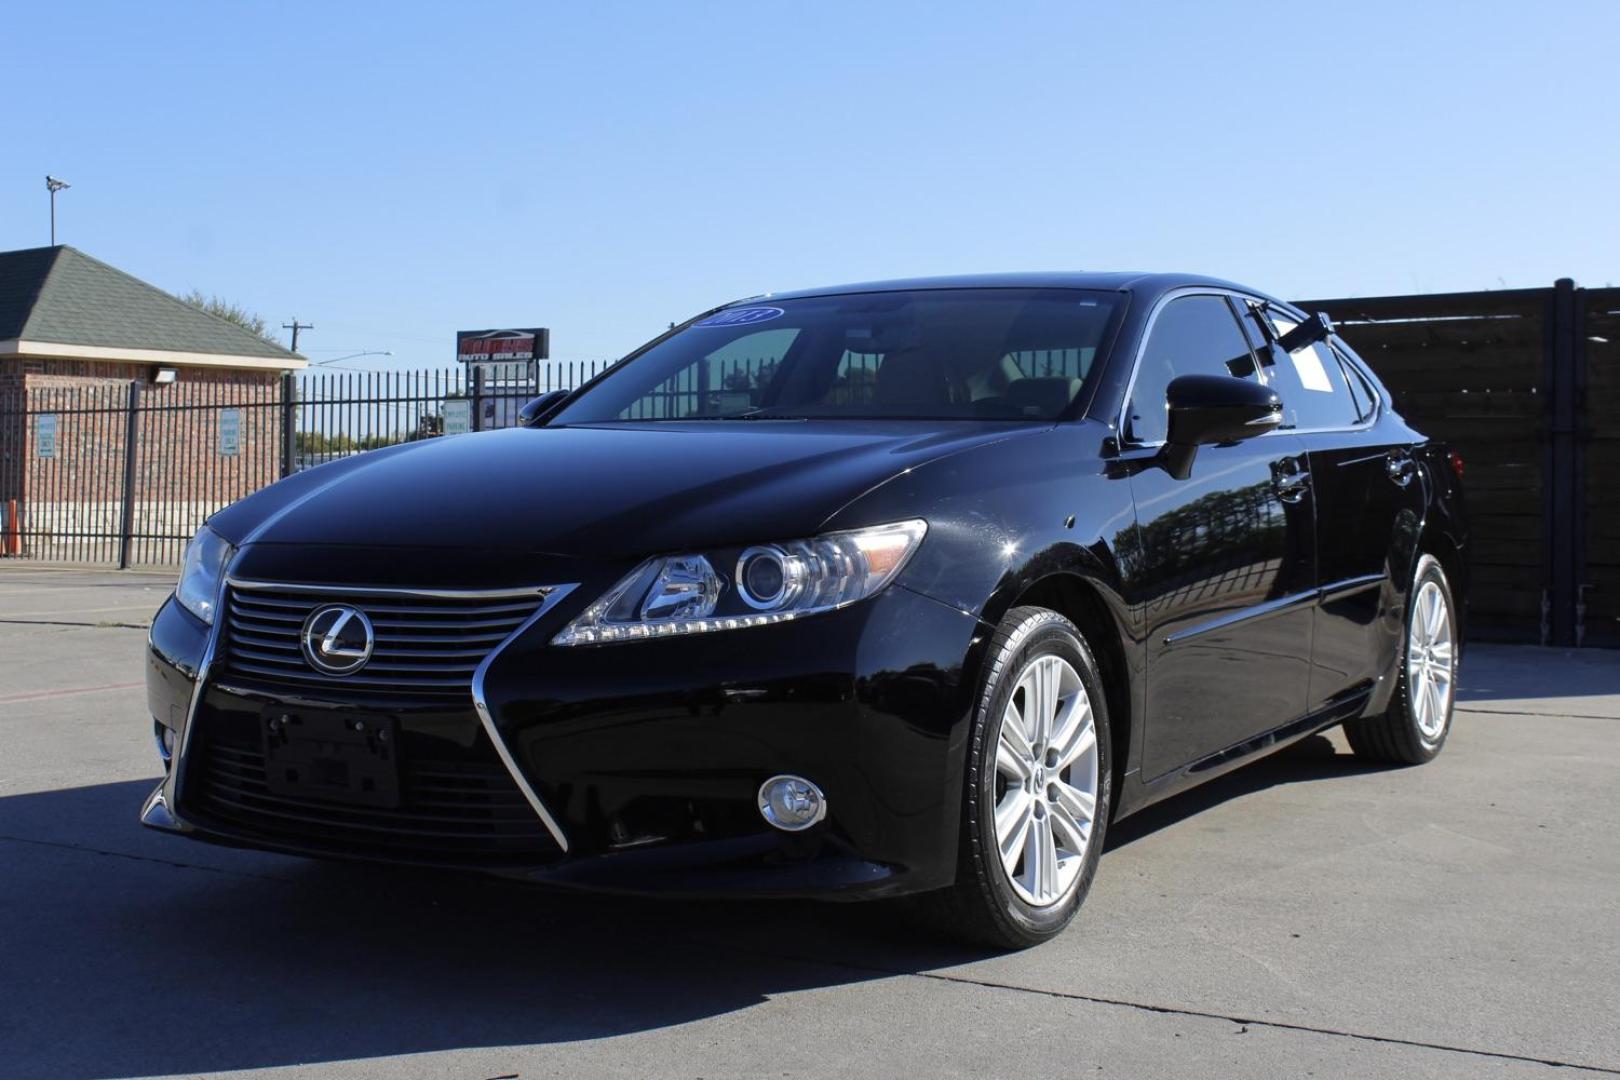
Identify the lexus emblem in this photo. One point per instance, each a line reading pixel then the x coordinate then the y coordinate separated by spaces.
pixel 337 639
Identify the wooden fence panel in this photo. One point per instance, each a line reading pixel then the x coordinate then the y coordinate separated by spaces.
pixel 1600 433
pixel 1468 369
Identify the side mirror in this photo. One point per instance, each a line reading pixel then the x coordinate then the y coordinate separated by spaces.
pixel 1207 409
pixel 534 412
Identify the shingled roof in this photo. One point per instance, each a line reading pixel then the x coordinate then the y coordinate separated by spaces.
pixel 56 300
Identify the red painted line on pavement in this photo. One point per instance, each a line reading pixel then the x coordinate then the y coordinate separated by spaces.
pixel 38 694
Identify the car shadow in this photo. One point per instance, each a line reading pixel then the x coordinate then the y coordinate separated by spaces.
pixel 1313 758
pixel 130 953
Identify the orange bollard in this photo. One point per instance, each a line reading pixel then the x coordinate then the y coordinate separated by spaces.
pixel 13 538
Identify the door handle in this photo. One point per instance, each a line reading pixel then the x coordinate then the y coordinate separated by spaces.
pixel 1400 467
pixel 1290 481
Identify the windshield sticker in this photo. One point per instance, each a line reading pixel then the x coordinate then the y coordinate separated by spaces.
pixel 742 316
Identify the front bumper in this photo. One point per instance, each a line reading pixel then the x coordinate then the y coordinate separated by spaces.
pixel 647 755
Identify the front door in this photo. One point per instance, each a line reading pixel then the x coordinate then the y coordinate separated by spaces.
pixel 1222 570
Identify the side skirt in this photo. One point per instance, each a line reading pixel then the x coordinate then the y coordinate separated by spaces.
pixel 1140 795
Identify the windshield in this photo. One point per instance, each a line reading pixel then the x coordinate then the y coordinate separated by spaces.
pixel 1019 354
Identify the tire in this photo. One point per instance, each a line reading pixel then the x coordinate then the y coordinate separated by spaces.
pixel 1035 656
pixel 1415 726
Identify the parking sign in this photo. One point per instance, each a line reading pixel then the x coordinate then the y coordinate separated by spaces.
pixel 457 416
pixel 45 435
pixel 230 432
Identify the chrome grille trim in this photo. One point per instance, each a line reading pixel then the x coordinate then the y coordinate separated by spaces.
pixel 536 591
pixel 540 600
pixel 481 703
pixel 168 792
pixel 430 641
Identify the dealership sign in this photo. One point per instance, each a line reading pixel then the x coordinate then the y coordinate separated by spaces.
pixel 507 348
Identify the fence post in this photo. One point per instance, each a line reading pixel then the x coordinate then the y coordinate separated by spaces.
pixel 289 424
pixel 478 399
pixel 1563 501
pixel 1581 423
pixel 132 431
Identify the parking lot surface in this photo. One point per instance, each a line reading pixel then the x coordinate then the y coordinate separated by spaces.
pixel 1306 916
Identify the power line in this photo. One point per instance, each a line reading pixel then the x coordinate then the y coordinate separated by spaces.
pixel 370 352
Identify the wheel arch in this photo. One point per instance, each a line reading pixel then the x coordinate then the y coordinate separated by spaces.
pixel 1082 601
pixel 1436 541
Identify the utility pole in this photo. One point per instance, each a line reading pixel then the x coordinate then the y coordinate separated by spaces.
pixel 53 185
pixel 296 326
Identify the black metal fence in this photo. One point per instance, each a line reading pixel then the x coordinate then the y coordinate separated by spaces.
pixel 124 473
pixel 1525 383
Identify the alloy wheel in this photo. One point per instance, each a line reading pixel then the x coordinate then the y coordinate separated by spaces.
pixel 1046 781
pixel 1430 660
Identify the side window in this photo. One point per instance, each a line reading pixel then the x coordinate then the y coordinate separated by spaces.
pixel 1310 381
pixel 1365 400
pixel 729 379
pixel 1192 335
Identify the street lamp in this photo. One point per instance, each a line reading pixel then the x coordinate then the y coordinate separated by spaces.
pixel 53 185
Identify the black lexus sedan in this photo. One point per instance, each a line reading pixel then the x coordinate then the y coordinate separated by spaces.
pixel 896 588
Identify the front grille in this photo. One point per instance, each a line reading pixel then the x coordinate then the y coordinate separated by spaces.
pixel 457 811
pixel 426 646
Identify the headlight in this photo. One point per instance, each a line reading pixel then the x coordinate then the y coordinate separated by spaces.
pixel 201 572
pixel 771 583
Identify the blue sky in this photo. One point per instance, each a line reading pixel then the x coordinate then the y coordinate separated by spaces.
pixel 394 172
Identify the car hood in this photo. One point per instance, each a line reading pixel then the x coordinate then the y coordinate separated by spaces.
pixel 599 491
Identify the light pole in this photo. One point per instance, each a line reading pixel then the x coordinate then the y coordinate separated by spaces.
pixel 53 185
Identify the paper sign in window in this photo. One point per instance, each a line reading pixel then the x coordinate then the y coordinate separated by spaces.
pixel 1307 361
pixel 1312 375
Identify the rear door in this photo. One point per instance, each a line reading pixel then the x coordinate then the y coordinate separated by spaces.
pixel 1369 502
pixel 1223 567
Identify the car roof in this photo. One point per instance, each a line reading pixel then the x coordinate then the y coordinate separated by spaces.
pixel 1149 284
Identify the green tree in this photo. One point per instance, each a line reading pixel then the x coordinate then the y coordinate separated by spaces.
pixel 317 442
pixel 231 312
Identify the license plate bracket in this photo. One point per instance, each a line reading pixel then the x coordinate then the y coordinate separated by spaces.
pixel 332 756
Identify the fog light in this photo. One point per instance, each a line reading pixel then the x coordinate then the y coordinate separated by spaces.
pixel 165 742
pixel 791 802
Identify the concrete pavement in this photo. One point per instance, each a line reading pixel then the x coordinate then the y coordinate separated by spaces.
pixel 1305 916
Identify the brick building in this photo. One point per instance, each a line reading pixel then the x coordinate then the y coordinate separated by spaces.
pixel 90 355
